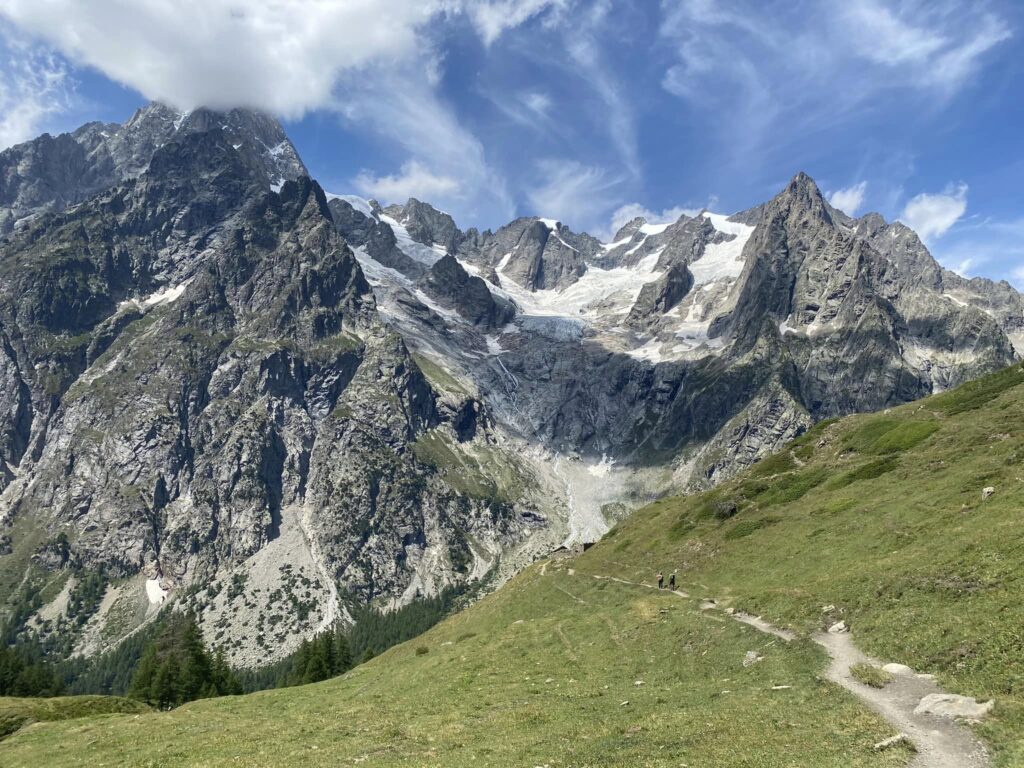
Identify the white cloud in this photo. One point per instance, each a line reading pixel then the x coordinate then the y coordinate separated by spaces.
pixel 991 247
pixel 586 52
pixel 414 181
pixel 850 199
pixel 492 18
pixel 285 57
pixel 932 215
pixel 34 86
pixel 579 195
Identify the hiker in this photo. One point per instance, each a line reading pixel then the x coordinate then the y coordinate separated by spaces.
pixel 672 580
pixel 661 580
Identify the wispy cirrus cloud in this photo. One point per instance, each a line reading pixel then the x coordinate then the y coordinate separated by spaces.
pixel 761 71
pixel 446 163
pixel 578 195
pixel 35 85
pixel 494 17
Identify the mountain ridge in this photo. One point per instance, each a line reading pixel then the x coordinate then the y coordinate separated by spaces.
pixel 212 369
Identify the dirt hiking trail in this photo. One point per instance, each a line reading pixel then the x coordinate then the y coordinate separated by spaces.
pixel 940 742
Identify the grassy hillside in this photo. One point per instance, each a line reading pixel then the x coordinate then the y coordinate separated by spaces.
pixel 880 517
pixel 16 713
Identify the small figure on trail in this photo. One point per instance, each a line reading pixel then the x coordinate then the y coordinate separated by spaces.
pixel 661 580
pixel 672 580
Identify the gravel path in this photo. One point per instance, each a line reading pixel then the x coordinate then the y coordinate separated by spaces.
pixel 940 742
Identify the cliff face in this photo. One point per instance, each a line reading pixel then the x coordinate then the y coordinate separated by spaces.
pixel 199 392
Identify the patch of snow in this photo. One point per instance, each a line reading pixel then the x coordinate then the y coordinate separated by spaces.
pixel 617 243
pixel 377 274
pixel 155 592
pixel 279 149
pixel 494 345
pixel 424 254
pixel 445 312
pixel 551 224
pixel 955 300
pixel 651 351
pixel 722 260
pixel 600 294
pixel 559 239
pixel 180 121
pixel 603 468
pixel 638 246
pixel 655 229
pixel 167 296
pixel 361 205
pixel 278 186
pixel 785 327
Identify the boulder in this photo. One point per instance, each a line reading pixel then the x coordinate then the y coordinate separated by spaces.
pixel 898 669
pixel 953 705
pixel 986 492
pixel 838 628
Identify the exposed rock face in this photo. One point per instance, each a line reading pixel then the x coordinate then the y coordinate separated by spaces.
pixel 539 254
pixel 199 391
pixel 449 283
pixel 662 295
pixel 227 390
pixel 427 225
pixel 50 173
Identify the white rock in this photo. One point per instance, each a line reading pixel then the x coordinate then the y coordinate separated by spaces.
pixel 952 705
pixel 827 608
pixel 892 741
pixel 838 628
pixel 898 669
pixel 986 492
pixel 751 658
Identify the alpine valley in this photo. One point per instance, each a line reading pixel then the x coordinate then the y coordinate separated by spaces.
pixel 226 390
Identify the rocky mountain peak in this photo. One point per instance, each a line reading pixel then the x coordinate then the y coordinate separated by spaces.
pixel 50 173
pixel 802 197
pixel 426 225
pixel 629 229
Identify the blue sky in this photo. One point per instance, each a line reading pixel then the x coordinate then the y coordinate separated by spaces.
pixel 588 112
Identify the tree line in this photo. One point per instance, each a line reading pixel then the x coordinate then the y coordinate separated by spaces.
pixel 167 664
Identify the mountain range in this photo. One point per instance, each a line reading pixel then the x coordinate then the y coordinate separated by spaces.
pixel 224 388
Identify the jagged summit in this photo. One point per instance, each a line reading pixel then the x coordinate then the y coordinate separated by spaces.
pixel 50 173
